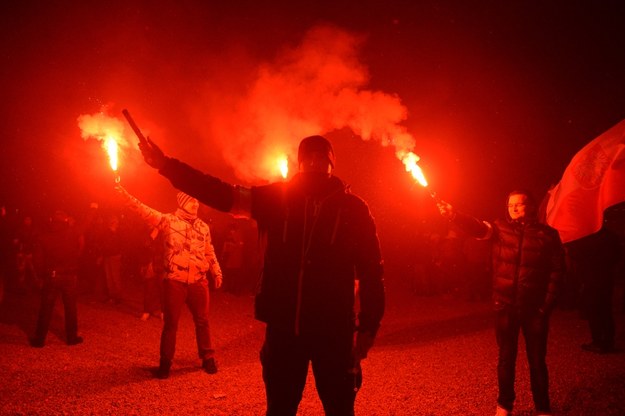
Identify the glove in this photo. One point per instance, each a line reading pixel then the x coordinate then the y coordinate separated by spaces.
pixel 364 341
pixel 152 154
pixel 445 209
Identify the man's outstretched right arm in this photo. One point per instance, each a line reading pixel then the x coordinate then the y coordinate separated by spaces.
pixel 208 189
pixel 149 215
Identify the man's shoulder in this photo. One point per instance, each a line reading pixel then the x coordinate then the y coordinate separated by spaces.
pixel 269 190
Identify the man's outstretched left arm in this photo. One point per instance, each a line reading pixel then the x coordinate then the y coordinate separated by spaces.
pixel 370 272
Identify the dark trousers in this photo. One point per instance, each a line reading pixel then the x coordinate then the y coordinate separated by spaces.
pixel 195 296
pixel 66 286
pixel 597 294
pixel 535 327
pixel 152 295
pixel 285 358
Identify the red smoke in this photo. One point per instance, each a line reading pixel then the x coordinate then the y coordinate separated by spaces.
pixel 315 87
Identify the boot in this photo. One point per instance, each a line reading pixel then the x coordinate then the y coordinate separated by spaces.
pixel 163 369
pixel 74 340
pixel 36 342
pixel 209 365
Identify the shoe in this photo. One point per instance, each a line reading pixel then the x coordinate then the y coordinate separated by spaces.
pixel 502 412
pixel 75 341
pixel 163 370
pixel 209 365
pixel 145 316
pixel 36 343
pixel 597 349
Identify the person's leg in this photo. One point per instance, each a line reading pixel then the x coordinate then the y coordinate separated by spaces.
pixel 507 334
pixel 336 376
pixel 285 366
pixel 605 313
pixel 108 275
pixel 151 293
pixel 49 294
pixel 116 277
pixel 197 301
pixel 593 310
pixel 535 330
pixel 174 294
pixel 69 292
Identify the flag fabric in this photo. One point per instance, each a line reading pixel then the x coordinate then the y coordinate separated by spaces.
pixel 593 181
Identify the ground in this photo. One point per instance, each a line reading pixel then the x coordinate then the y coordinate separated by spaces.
pixel 433 356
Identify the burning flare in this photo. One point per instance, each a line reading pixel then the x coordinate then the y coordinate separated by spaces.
pixel 109 131
pixel 283 166
pixel 112 151
pixel 410 161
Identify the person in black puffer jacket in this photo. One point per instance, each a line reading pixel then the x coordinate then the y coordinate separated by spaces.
pixel 527 267
pixel 320 245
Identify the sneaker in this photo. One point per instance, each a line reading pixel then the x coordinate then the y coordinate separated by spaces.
pixel 209 365
pixel 502 412
pixel 74 341
pixel 36 343
pixel 145 316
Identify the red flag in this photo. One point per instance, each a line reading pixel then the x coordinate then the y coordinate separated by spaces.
pixel 593 181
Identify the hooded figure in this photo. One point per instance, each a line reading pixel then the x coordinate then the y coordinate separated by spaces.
pixel 189 261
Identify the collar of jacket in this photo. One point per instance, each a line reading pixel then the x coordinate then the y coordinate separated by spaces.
pixel 184 215
pixel 321 189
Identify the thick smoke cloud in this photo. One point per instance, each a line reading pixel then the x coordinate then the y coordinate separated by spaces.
pixel 315 87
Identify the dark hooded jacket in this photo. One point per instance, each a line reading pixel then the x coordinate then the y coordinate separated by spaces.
pixel 318 239
pixel 527 260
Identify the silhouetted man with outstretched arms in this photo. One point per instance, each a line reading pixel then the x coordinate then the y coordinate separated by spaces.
pixel 320 241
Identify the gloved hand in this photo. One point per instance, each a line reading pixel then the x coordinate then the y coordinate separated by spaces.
pixel 152 154
pixel 445 209
pixel 364 341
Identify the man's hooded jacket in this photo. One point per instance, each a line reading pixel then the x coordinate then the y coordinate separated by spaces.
pixel 318 240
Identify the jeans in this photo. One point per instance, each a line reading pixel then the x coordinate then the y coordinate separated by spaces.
pixel 195 296
pixel 285 358
pixel 535 327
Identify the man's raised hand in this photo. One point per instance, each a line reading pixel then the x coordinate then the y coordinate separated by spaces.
pixel 152 154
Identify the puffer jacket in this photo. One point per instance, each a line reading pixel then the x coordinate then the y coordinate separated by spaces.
pixel 316 247
pixel 188 251
pixel 527 260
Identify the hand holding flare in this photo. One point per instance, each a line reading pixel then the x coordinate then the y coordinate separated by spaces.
pixel 152 154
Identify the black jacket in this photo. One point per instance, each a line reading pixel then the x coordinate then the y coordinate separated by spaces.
pixel 316 245
pixel 527 260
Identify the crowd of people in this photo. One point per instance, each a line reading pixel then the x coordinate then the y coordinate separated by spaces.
pixel 117 249
pixel 321 292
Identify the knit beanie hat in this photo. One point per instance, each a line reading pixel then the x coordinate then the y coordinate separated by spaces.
pixel 315 144
pixel 183 198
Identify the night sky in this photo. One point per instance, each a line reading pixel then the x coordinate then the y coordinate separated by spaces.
pixel 495 95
